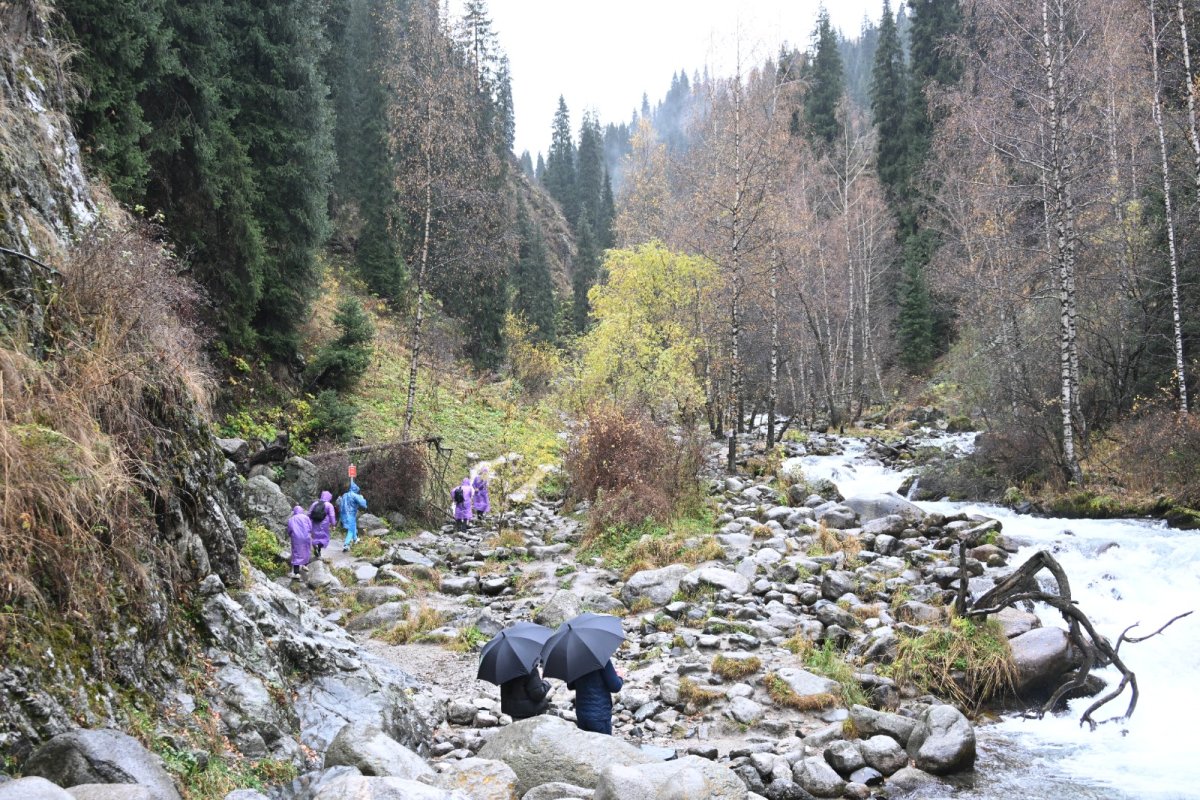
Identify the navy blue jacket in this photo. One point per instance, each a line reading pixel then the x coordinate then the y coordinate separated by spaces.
pixel 593 696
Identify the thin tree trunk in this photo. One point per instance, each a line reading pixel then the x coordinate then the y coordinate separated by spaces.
pixel 1180 378
pixel 419 317
pixel 1195 140
pixel 773 377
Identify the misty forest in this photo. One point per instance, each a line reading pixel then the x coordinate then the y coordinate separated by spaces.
pixel 822 427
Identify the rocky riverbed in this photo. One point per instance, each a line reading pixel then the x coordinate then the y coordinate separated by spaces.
pixel 362 674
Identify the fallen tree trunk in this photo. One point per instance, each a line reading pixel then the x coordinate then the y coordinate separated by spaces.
pixel 1022 586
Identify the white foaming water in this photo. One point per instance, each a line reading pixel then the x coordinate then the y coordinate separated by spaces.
pixel 1122 572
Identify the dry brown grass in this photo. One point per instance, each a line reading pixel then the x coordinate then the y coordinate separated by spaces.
pixel 693 694
pixel 507 537
pixel 415 626
pixel 735 668
pixel 81 426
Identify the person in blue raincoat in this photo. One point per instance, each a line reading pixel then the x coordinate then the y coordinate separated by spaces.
pixel 348 506
pixel 593 698
pixel 300 532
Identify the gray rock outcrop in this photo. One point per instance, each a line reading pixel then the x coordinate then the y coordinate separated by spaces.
pixel 100 756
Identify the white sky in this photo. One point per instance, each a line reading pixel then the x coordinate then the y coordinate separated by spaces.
pixel 602 54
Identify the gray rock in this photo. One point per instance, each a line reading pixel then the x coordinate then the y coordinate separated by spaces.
pixel 1014 622
pixel 919 613
pixel 379 617
pixel 869 722
pixel 786 789
pixel 867 776
pixel 479 778
pixel 371 525
pixel 717 578
pixel 836 583
pixel 457 585
pixel 818 778
pixel 555 790
pixel 245 794
pixel 656 585
pixel 745 710
pixel 1042 656
pixel 562 606
pixel 299 481
pixel 100 756
pixel 844 757
pixel 405 555
pixel 371 596
pixel 266 502
pixel 943 741
pixel 359 787
pixel 883 753
pixel 910 779
pixel 544 749
pixel 838 517
pixel 367 748
pixel 683 779
pixel 32 788
pixel 871 507
pixel 236 450
pixel 245 704
pixel 806 684
pixel 111 791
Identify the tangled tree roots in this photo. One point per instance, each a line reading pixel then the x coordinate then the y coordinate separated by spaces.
pixel 1022 586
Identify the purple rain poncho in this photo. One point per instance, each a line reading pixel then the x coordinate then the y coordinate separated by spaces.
pixel 300 530
pixel 320 534
pixel 480 503
pixel 463 510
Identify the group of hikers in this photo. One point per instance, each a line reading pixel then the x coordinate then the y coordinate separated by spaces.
pixel 310 530
pixel 470 498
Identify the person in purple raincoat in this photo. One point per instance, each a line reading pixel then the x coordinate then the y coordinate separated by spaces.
pixel 322 523
pixel 462 496
pixel 480 504
pixel 300 530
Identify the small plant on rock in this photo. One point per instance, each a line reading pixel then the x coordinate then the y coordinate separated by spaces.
pixel 735 668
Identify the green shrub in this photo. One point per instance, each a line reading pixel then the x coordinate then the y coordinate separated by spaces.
pixel 341 362
pixel 263 550
pixel 332 417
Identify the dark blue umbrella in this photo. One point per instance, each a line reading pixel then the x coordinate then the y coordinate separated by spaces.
pixel 512 653
pixel 581 645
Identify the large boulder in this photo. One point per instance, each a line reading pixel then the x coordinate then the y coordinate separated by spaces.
pixel 874 506
pixel 100 756
pixel 943 741
pixel 715 578
pixel 544 749
pixel 837 516
pixel 360 787
pixel 245 704
pixel 655 585
pixel 682 779
pixel 111 791
pixel 266 502
pixel 372 752
pixel 818 778
pixel 884 754
pixel 33 788
pixel 869 722
pixel 480 778
pixel 806 685
pixel 556 790
pixel 1042 657
pixel 299 481
pixel 562 606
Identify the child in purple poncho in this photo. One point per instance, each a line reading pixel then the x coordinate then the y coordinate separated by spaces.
pixel 462 496
pixel 481 505
pixel 300 531
pixel 322 522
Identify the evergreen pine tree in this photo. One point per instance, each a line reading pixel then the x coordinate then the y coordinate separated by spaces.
pixel 527 164
pixel 539 172
pixel 583 275
pixel 825 75
pixel 505 115
pixel 932 23
pixel 341 363
pixel 589 177
pixel 605 237
pixel 534 291
pixel 915 324
pixel 889 105
pixel 559 177
pixel 124 46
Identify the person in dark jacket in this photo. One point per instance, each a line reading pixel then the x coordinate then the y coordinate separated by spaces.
pixel 593 698
pixel 526 696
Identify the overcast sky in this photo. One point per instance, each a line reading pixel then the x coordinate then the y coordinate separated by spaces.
pixel 602 54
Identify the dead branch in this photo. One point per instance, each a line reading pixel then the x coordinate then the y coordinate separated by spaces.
pixel 436 441
pixel 1124 637
pixel 1022 585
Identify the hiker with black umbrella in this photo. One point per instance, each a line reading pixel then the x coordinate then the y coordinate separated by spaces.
pixel 511 660
pixel 580 653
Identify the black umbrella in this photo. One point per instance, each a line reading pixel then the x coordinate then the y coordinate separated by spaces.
pixel 581 645
pixel 512 653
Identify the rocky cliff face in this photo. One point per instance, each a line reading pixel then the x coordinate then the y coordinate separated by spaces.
pixel 187 642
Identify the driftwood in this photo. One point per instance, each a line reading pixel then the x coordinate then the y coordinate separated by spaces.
pixel 1022 586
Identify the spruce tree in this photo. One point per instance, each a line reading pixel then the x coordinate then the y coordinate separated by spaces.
pixel 123 47
pixel 889 106
pixel 539 171
pixel 583 275
pixel 605 237
pixel 527 165
pixel 915 323
pixel 534 293
pixel 505 114
pixel 341 362
pixel 825 76
pixel 589 177
pixel 559 177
